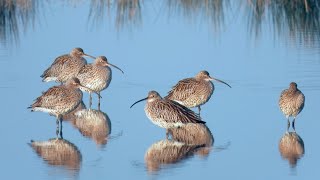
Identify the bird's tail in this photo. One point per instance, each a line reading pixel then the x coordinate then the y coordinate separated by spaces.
pixel 30 107
pixel 45 73
pixel 201 122
pixel 30 143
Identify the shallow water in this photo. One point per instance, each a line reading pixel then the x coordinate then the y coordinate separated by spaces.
pixel 157 43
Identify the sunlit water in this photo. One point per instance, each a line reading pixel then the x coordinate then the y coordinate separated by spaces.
pixel 157 43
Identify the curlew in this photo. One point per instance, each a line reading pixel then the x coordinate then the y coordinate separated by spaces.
pixel 59 100
pixel 96 76
pixel 291 102
pixel 166 113
pixel 194 92
pixel 65 67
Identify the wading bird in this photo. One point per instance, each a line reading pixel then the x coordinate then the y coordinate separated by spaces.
pixel 96 76
pixel 166 113
pixel 193 92
pixel 291 102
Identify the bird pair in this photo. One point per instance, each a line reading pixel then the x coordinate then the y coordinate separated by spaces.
pixel 173 110
pixel 96 76
pixel 74 74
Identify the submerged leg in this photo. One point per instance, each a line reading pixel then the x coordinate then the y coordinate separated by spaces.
pixel 99 101
pixel 90 100
pixel 199 108
pixel 288 124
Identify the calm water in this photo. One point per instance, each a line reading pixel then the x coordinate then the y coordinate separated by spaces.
pixel 257 49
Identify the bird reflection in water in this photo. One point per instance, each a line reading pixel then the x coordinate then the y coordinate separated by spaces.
pixel 196 134
pixel 291 147
pixel 186 141
pixel 71 116
pixel 166 152
pixel 94 124
pixel 58 152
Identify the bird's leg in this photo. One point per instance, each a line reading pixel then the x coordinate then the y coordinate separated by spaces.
pixel 199 108
pixel 60 119
pixel 99 101
pixel 288 123
pixel 90 100
pixel 167 134
pixel 293 124
pixel 57 127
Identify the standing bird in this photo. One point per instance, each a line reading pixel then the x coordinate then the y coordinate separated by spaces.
pixel 96 76
pixel 59 100
pixel 193 92
pixel 65 67
pixel 166 113
pixel 291 102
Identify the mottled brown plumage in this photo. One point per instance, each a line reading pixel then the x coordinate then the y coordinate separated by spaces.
pixel 167 152
pixel 58 152
pixel 94 124
pixel 194 134
pixel 291 147
pixel 65 67
pixel 291 102
pixel 193 92
pixel 71 116
pixel 96 76
pixel 166 113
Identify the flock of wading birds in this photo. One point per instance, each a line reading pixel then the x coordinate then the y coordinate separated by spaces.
pixel 172 111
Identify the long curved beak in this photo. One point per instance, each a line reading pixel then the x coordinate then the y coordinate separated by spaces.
pixel 211 78
pixel 89 90
pixel 116 67
pixel 139 101
pixel 87 55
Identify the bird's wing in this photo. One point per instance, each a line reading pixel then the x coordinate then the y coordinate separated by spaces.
pixel 183 89
pixel 52 96
pixel 282 96
pixel 85 70
pixel 85 74
pixel 56 66
pixel 300 101
pixel 174 112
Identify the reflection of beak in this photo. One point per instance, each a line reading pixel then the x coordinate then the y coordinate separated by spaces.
pixel 139 101
pixel 211 78
pixel 116 67
pixel 89 90
pixel 89 56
